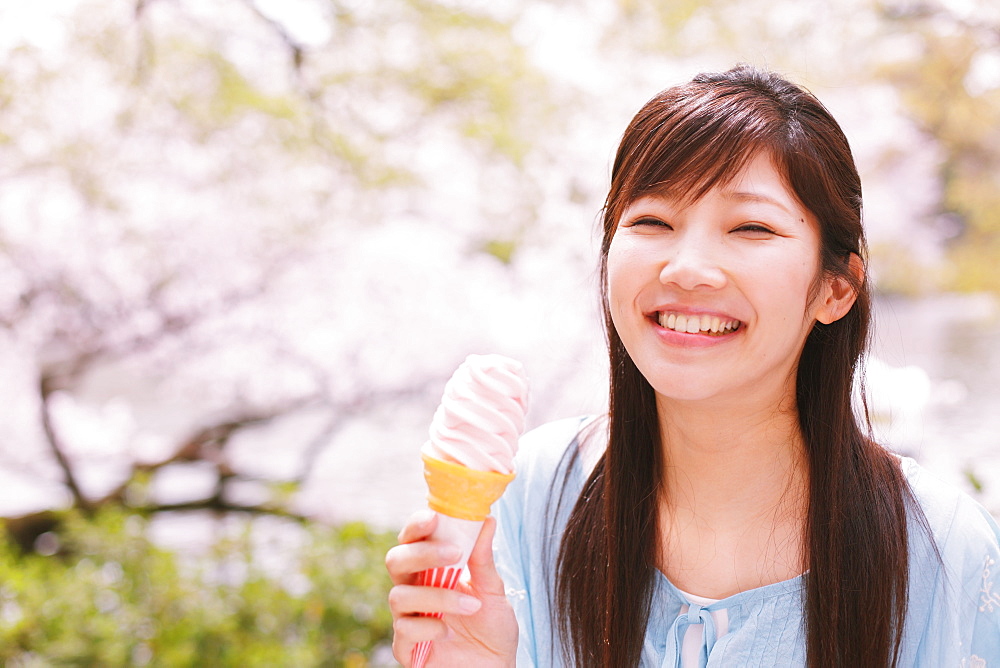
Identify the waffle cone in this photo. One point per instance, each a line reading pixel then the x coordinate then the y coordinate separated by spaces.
pixel 458 491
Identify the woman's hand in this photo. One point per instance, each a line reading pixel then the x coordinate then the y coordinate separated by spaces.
pixel 478 627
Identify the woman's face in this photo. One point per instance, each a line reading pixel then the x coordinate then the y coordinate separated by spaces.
pixel 713 299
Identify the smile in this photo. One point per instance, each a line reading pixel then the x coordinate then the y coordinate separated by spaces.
pixel 711 325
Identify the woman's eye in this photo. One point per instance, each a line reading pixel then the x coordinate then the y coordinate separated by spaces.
pixel 656 222
pixel 755 229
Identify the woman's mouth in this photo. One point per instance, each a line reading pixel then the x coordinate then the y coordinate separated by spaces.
pixel 710 325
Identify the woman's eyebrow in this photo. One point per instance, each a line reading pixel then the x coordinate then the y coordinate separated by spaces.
pixel 757 198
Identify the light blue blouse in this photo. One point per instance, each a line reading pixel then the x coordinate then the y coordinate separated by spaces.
pixel 954 604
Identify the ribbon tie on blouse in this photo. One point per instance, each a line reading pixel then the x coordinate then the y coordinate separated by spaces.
pixel 695 614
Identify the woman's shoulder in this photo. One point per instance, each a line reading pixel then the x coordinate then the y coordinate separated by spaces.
pixel 961 526
pixel 556 454
pixel 954 604
pixel 548 479
pixel 550 447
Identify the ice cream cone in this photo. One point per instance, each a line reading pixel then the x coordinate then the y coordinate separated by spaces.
pixel 460 492
pixel 469 459
pixel 462 498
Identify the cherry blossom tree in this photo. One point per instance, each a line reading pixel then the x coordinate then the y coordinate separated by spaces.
pixel 229 233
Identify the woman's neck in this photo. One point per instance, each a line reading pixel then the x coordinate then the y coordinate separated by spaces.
pixel 734 499
pixel 727 462
pixel 727 468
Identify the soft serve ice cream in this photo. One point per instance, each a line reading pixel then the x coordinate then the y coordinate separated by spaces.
pixel 469 459
pixel 481 415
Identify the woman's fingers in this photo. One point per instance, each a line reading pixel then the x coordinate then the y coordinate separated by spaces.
pixel 478 622
pixel 408 631
pixel 405 562
pixel 408 600
pixel 420 526
pixel 482 569
pixel 416 553
pixel 410 625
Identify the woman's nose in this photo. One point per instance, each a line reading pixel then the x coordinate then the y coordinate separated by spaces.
pixel 693 265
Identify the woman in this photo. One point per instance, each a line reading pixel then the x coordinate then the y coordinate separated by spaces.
pixel 729 511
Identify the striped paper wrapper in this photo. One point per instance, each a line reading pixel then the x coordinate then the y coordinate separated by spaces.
pixel 458 532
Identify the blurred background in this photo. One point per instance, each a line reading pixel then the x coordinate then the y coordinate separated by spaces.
pixel 244 243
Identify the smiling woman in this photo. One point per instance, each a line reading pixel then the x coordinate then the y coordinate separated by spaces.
pixel 729 510
pixel 703 294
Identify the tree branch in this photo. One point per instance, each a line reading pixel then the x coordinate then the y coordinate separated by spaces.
pixel 344 411
pixel 295 48
pixel 26 529
pixel 215 504
pixel 207 444
pixel 46 388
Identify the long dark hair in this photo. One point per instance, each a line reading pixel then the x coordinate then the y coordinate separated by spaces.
pixel 683 142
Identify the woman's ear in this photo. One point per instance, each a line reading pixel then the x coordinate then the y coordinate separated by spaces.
pixel 839 293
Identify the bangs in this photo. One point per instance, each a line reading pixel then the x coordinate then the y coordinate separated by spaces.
pixel 695 138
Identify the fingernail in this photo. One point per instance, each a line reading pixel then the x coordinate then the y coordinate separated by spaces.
pixel 469 604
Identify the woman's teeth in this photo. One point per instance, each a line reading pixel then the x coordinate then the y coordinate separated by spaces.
pixel 695 324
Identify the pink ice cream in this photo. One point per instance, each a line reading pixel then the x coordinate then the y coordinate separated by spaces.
pixel 481 415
